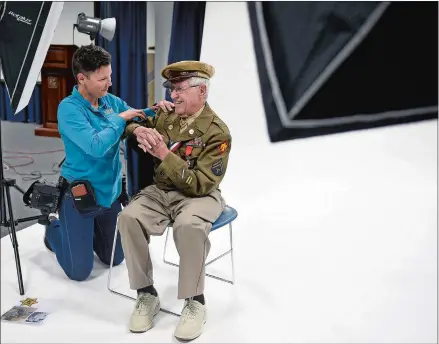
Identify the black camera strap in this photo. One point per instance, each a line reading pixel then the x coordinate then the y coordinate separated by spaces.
pixel 28 193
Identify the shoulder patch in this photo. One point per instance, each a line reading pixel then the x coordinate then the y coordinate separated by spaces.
pixel 223 146
pixel 217 168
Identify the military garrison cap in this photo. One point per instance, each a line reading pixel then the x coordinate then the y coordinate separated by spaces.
pixel 186 69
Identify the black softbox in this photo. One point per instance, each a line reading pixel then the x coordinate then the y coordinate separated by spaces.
pixel 329 67
pixel 26 31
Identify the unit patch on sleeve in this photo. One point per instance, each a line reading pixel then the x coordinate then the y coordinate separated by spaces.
pixel 223 147
pixel 217 168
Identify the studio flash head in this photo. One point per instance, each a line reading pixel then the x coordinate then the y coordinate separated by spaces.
pixel 92 26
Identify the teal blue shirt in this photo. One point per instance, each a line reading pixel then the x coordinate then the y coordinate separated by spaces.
pixel 91 140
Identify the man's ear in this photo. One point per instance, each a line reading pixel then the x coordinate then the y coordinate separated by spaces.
pixel 203 89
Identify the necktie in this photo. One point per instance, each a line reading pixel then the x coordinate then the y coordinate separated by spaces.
pixel 183 124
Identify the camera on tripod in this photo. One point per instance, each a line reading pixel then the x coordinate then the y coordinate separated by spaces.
pixel 43 197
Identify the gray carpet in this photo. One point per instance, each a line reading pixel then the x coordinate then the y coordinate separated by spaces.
pixel 19 138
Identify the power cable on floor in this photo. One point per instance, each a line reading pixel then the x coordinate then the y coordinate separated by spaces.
pixel 34 175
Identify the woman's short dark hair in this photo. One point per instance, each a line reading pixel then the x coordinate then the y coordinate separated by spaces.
pixel 89 58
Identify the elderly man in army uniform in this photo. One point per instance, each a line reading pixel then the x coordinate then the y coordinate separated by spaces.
pixel 191 147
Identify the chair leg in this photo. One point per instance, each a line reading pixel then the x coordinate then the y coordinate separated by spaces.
pixel 231 253
pixel 232 281
pixel 166 246
pixel 111 261
pixel 109 278
pixel 111 267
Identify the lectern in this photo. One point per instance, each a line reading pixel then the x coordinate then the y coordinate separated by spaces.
pixel 57 82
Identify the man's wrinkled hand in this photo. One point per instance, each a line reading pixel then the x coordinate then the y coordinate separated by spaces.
pixel 164 105
pixel 160 150
pixel 148 137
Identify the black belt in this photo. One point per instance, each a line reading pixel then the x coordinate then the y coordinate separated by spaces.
pixel 63 184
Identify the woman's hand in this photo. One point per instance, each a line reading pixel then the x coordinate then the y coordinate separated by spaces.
pixel 164 105
pixel 132 113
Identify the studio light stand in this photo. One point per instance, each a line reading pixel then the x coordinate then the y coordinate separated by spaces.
pixel 7 214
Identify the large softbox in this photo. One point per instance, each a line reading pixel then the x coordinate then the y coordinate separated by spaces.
pixel 328 67
pixel 26 31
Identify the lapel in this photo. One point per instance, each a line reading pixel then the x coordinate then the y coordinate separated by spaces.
pixel 198 127
pixel 172 126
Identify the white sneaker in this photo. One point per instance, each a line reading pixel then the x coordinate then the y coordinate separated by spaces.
pixel 192 320
pixel 147 306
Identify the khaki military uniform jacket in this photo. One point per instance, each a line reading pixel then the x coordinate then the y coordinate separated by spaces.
pixel 199 164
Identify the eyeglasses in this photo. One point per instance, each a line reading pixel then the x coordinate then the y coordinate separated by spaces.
pixel 179 90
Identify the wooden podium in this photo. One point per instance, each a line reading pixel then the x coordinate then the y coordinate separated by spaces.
pixel 57 82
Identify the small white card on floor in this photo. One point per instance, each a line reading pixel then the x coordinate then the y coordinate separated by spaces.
pixel 27 311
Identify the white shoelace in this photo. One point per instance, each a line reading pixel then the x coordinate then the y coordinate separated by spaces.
pixel 143 302
pixel 190 311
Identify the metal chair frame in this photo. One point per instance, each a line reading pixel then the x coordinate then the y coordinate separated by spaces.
pixel 232 281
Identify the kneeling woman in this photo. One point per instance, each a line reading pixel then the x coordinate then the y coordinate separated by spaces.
pixel 91 122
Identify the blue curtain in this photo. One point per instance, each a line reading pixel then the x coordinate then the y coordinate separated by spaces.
pixel 128 50
pixel 187 31
pixel 129 64
pixel 30 114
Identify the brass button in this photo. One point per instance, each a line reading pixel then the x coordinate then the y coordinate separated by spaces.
pixel 191 131
pixel 170 127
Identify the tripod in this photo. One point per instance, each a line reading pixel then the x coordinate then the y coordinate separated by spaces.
pixel 5 201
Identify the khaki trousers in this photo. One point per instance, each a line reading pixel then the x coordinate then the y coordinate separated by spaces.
pixel 149 214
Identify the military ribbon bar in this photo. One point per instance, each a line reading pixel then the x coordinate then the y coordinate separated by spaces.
pixel 175 146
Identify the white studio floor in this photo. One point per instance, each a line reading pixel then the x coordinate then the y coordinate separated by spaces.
pixel 335 242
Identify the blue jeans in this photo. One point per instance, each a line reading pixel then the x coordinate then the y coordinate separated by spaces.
pixel 75 236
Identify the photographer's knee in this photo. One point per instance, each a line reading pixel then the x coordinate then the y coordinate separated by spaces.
pixel 118 258
pixel 79 273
